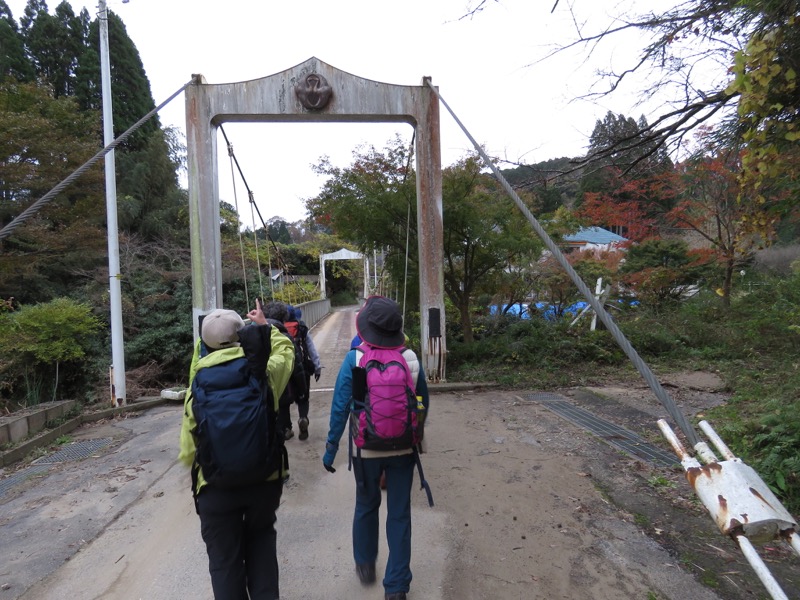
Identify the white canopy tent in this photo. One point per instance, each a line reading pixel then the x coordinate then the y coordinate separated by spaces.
pixel 342 254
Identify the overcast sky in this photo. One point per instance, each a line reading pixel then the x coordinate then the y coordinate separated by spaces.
pixel 486 67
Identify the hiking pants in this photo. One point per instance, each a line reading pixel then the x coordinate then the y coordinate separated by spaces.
pixel 302 407
pixel 399 478
pixel 238 527
pixel 285 414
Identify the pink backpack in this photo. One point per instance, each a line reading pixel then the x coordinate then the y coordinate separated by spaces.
pixel 385 414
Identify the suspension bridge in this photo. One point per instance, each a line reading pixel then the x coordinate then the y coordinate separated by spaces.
pixel 737 500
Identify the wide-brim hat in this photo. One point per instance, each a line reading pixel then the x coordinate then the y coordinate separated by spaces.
pixel 379 323
pixel 219 329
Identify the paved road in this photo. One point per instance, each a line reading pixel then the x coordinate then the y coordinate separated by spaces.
pixel 121 524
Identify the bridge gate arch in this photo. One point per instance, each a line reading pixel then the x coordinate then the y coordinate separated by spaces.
pixel 314 91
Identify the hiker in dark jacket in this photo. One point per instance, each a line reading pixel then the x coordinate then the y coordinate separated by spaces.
pixel 379 324
pixel 237 524
pixel 312 364
pixel 277 314
pixel 313 353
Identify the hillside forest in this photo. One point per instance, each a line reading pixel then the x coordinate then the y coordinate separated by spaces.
pixel 705 276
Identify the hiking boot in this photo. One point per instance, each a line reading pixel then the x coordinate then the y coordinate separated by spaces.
pixel 366 573
pixel 396 596
pixel 288 433
pixel 303 423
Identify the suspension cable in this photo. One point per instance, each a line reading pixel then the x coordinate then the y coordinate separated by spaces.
pixel 605 317
pixel 269 259
pixel 408 221
pixel 405 276
pixel 239 229
pixel 255 244
pixel 253 205
pixel 36 206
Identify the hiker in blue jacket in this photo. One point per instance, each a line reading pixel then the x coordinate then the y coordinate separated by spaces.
pixel 380 325
pixel 238 522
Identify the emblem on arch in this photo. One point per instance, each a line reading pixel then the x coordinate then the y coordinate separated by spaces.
pixel 313 91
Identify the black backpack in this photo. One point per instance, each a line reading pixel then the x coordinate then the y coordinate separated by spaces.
pixel 237 439
pixel 308 363
pixel 297 388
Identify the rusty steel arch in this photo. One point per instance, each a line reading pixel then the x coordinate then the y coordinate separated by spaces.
pixel 314 91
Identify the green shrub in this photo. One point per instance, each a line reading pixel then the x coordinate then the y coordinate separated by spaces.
pixel 761 424
pixel 517 351
pixel 344 298
pixel 598 347
pixel 298 292
pixel 776 451
pixel 650 340
pixel 41 345
pixel 159 332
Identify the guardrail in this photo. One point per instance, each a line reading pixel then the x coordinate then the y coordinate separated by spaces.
pixel 314 311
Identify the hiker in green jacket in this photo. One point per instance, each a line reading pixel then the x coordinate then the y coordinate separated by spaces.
pixel 234 364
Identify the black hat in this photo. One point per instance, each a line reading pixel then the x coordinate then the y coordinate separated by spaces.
pixel 380 324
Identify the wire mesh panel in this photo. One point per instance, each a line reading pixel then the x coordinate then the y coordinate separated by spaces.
pixel 74 451
pixel 20 477
pixel 612 434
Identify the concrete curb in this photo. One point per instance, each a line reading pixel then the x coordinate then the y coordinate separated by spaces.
pixel 441 388
pixel 30 421
pixel 22 449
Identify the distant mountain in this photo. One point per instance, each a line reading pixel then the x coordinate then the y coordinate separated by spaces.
pixel 555 181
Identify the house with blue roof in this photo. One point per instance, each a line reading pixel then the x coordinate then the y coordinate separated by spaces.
pixel 594 238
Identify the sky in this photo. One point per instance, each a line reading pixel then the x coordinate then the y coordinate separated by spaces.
pixel 490 69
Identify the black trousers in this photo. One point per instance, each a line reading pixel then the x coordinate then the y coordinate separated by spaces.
pixel 285 415
pixel 238 527
pixel 295 393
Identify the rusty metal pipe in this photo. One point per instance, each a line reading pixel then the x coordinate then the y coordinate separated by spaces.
pixel 773 587
pixel 686 459
pixel 740 503
pixel 705 453
pixel 734 495
pixel 794 542
pixel 673 440
pixel 712 435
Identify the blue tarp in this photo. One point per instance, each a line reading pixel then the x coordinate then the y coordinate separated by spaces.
pixel 546 310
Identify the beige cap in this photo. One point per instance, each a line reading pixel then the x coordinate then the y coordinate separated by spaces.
pixel 219 329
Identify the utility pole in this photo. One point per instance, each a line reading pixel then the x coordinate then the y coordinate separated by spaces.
pixel 115 290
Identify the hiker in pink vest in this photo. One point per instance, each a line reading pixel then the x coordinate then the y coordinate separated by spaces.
pixel 386 408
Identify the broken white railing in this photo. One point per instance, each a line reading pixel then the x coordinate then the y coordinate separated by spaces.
pixel 740 503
